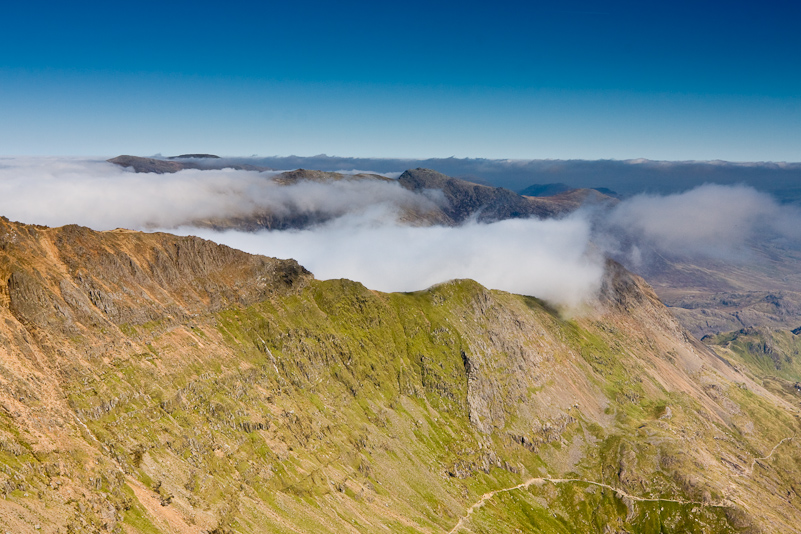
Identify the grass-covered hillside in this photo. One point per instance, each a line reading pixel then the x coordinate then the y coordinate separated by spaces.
pixel 151 383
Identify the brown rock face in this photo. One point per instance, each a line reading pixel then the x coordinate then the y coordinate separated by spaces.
pixel 467 199
pixel 153 383
pixel 131 277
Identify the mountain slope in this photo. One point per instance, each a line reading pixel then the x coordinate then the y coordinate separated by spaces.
pixel 152 383
pixel 487 203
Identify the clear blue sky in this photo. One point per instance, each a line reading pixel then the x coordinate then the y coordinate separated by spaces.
pixel 616 79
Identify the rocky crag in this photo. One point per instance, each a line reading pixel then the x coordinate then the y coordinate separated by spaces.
pixel 152 383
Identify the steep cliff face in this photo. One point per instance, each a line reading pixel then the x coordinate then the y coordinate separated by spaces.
pixel 152 383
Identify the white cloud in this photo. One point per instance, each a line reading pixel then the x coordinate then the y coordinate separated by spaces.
pixel 363 240
pixel 713 221
pixel 548 259
pixel 58 191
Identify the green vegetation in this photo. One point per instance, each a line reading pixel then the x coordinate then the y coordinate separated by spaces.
pixel 327 407
pixel 765 352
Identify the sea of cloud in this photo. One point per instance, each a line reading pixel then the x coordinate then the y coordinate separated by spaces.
pixel 549 259
pixel 718 222
pixel 559 260
pixel 103 196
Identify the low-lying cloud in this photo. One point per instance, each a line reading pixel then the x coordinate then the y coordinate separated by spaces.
pixel 103 196
pixel 545 258
pixel 361 238
pixel 710 221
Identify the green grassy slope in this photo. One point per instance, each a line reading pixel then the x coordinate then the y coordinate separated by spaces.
pixel 240 395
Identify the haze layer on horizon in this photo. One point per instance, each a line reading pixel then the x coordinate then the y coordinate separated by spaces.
pixel 586 80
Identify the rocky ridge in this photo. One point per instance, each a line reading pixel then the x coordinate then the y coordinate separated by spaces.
pixel 153 383
pixel 179 163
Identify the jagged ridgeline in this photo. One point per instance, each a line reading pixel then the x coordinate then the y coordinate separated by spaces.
pixel 152 383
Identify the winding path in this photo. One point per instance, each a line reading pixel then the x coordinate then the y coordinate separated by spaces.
pixel 755 460
pixel 541 480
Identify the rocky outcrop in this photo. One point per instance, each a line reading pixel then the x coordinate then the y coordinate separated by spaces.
pixel 487 204
pixel 154 383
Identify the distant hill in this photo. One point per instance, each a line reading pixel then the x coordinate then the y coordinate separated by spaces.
pixel 549 190
pixel 487 203
pixel 299 175
pixel 195 156
pixel 170 165
pixel 545 190
pixel 158 166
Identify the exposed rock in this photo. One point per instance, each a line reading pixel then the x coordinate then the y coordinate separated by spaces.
pixel 170 384
pixel 171 165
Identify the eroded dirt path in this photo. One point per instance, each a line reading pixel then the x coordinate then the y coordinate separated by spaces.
pixel 489 495
pixel 541 480
pixel 755 460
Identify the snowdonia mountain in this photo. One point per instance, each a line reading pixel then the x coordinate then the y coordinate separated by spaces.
pixel 465 200
pixel 626 177
pixel 153 383
pixel 178 163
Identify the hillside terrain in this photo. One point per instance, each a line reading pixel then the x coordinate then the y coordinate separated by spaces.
pixel 460 200
pixel 712 296
pixel 465 200
pixel 708 296
pixel 153 383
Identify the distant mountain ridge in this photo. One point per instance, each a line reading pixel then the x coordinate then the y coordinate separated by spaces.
pixel 487 203
pixel 626 177
pixel 171 165
pixel 464 199
pixel 549 190
pixel 195 156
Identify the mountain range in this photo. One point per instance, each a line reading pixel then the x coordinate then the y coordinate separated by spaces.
pixel 626 177
pixel 708 295
pixel 154 383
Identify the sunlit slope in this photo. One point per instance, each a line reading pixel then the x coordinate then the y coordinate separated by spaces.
pixel 771 357
pixel 151 383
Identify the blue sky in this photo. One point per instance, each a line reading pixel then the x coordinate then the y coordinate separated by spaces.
pixel 618 79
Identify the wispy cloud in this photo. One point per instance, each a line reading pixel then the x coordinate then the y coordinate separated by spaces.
pixel 58 191
pixel 710 221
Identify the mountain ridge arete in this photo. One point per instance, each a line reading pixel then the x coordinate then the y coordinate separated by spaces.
pixel 153 383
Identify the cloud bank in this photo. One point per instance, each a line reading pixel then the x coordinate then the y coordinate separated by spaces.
pixel 548 259
pixel 558 260
pixel 103 196
pixel 710 221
